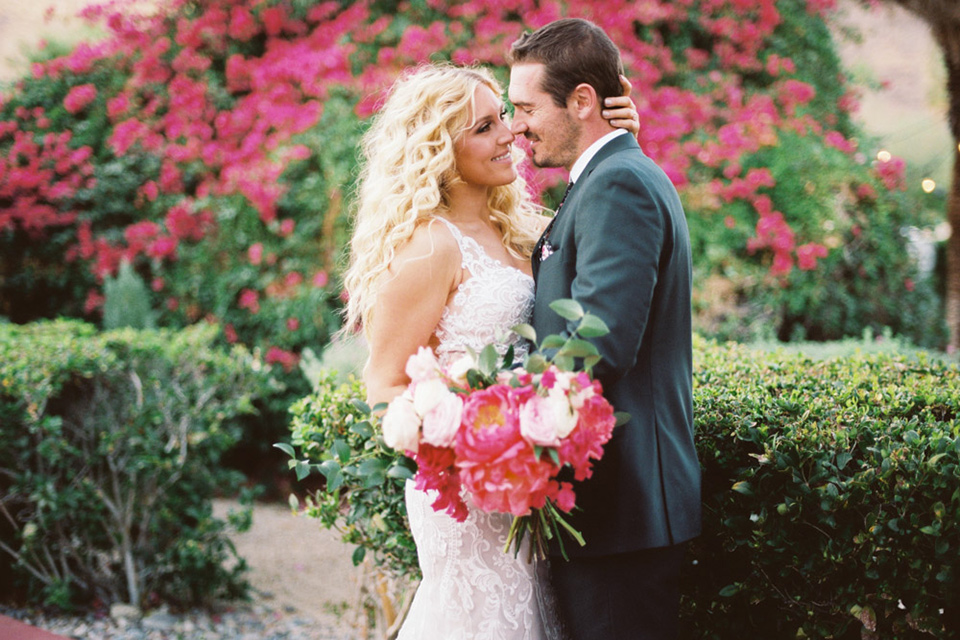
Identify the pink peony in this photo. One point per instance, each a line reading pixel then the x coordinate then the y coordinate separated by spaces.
pixel 491 427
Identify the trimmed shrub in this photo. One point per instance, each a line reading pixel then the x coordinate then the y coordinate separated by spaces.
pixel 831 497
pixel 109 458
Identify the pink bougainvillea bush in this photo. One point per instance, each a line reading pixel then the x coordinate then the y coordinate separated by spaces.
pixel 213 145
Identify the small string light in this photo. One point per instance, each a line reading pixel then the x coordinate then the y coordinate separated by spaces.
pixel 883 155
pixel 928 185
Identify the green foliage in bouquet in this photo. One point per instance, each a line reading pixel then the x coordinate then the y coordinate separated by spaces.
pixel 109 460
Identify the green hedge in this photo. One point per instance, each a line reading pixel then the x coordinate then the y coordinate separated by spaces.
pixel 831 494
pixel 109 459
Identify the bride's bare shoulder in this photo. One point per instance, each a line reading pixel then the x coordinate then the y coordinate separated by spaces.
pixel 431 246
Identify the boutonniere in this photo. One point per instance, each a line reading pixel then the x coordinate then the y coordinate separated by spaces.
pixel 546 250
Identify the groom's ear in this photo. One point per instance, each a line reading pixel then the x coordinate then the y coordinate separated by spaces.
pixel 584 101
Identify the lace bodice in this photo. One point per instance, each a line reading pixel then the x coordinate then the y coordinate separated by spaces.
pixel 494 298
pixel 471 589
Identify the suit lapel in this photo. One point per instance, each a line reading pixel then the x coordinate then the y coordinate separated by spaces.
pixel 620 143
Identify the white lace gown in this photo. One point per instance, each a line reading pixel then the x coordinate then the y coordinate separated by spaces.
pixel 471 589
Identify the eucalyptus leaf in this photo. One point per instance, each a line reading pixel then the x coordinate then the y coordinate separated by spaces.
pixel 488 360
pixel 567 308
pixel 553 341
pixel 576 348
pixel 525 331
pixel 536 363
pixel 592 326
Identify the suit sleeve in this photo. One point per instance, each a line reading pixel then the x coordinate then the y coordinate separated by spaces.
pixel 619 236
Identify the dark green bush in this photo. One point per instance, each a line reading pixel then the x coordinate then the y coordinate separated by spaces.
pixel 831 494
pixel 831 497
pixel 110 457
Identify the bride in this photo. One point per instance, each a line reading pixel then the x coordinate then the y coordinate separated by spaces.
pixel 440 257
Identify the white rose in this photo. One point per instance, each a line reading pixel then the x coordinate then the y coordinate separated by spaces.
pixel 440 424
pixel 428 394
pixel 401 425
pixel 458 370
pixel 422 365
pixel 564 415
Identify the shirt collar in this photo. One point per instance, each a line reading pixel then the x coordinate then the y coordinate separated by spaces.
pixel 591 151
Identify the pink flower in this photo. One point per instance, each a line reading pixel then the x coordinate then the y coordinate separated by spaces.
pixel 230 334
pixel 250 299
pixel 287 359
pixel 538 423
pixel 293 324
pixel 491 427
pixel 807 255
pixel 287 225
pixel 163 247
pixel 79 97
pixel 436 472
pixel 320 279
pixel 255 254
pixel 422 366
pixel 441 423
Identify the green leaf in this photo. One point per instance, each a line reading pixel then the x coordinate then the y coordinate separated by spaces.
pixel 362 429
pixel 370 467
pixel 554 455
pixel 342 450
pixel 729 590
pixel 563 361
pixel 358 555
pixel 525 331
pixel 302 469
pixel 361 406
pixel 567 308
pixel 743 487
pixel 535 363
pixel 286 448
pixel 576 348
pixel 622 418
pixel 553 341
pixel 399 471
pixel 592 326
pixel 591 361
pixel 488 360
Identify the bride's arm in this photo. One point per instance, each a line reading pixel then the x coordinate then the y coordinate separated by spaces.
pixel 412 296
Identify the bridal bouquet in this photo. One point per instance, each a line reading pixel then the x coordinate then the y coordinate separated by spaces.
pixel 504 433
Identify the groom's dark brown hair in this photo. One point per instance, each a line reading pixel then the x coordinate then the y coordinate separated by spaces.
pixel 573 51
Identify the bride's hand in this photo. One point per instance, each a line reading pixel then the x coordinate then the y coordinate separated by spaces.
pixel 621 111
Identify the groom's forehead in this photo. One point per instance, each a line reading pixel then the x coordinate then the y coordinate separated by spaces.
pixel 525 83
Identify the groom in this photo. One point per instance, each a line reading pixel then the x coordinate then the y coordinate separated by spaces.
pixel 619 246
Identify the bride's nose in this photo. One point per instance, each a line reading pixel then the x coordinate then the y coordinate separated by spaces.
pixel 506 135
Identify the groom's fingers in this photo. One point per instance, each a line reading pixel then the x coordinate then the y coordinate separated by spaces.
pixel 627 87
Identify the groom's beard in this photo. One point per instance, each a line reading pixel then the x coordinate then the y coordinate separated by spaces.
pixel 558 146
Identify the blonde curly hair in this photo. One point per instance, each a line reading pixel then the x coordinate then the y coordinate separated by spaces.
pixel 408 166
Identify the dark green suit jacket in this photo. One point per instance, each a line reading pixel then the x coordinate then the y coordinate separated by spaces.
pixel 620 247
